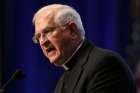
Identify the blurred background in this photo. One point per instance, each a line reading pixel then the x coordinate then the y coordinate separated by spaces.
pixel 111 24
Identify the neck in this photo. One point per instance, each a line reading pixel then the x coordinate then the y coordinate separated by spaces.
pixel 77 48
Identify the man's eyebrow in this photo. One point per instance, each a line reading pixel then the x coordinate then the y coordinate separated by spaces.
pixel 48 27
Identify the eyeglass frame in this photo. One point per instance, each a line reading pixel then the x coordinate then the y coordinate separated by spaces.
pixel 46 32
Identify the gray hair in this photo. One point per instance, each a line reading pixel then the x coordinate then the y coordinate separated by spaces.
pixel 64 15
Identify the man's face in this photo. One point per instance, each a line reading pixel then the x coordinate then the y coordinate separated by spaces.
pixel 55 41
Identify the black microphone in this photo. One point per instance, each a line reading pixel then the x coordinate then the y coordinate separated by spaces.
pixel 19 74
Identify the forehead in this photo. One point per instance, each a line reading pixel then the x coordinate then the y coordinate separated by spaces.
pixel 43 20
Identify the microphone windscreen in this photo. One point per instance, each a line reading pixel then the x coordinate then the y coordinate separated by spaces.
pixel 19 74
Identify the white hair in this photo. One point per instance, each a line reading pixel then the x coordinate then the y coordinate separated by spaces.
pixel 63 16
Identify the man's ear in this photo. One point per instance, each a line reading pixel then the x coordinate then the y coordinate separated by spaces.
pixel 73 29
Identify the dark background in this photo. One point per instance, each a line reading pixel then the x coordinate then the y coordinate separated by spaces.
pixel 107 24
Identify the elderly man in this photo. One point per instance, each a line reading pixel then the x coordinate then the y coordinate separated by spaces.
pixel 88 69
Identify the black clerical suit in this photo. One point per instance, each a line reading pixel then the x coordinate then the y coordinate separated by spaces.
pixel 96 70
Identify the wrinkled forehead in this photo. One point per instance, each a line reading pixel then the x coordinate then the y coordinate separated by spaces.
pixel 44 19
pixel 48 12
pixel 44 16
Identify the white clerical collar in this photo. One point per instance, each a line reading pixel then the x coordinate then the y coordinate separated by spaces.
pixel 63 65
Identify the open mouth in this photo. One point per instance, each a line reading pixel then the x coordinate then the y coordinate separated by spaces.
pixel 50 48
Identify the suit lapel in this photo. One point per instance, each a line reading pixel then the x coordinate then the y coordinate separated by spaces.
pixel 76 72
pixel 74 78
pixel 59 87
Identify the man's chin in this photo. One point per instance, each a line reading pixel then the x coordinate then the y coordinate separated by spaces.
pixel 56 63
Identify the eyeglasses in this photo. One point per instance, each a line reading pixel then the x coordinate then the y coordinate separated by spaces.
pixel 47 32
pixel 44 34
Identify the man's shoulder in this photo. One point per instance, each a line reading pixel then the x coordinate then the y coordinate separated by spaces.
pixel 95 51
pixel 100 56
pixel 97 56
pixel 99 53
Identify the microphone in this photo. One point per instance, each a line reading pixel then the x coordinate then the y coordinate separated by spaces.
pixel 19 74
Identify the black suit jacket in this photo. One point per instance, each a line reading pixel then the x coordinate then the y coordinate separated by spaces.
pixel 96 70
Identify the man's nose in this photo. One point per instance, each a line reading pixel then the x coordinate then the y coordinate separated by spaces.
pixel 43 39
